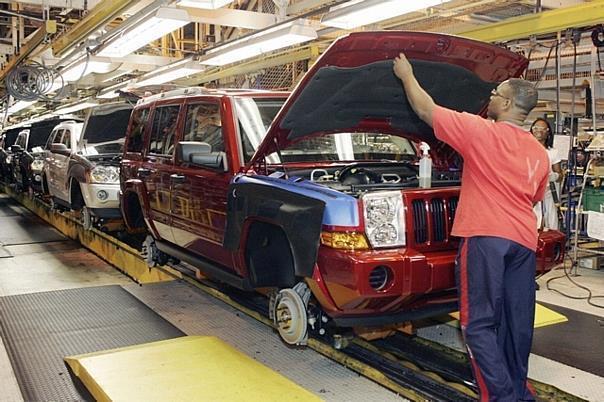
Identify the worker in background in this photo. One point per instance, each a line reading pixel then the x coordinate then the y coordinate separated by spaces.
pixel 547 210
pixel 505 173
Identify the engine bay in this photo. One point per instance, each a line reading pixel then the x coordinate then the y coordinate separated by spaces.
pixel 359 177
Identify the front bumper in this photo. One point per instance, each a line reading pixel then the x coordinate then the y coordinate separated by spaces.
pixel 342 282
pixel 101 196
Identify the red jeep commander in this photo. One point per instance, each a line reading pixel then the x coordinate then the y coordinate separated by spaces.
pixel 323 206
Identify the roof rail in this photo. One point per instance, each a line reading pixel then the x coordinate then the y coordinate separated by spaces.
pixel 190 91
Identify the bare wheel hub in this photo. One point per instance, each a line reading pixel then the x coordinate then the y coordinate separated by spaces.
pixel 290 314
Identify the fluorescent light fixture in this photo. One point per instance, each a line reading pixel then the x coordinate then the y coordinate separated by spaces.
pixel 85 104
pixel 83 67
pixel 207 4
pixel 275 38
pixel 357 13
pixel 111 92
pixel 177 71
pixel 19 105
pixel 150 28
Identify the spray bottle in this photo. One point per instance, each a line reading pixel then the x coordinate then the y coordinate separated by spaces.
pixel 425 167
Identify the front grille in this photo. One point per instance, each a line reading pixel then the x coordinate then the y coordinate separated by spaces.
pixel 420 221
pixel 433 219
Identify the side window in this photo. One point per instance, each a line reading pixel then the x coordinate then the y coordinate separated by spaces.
pixel 66 139
pixel 56 138
pixel 163 130
pixel 21 140
pixel 137 133
pixel 204 125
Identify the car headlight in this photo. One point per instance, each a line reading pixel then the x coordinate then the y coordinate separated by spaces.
pixel 105 174
pixel 37 164
pixel 9 159
pixel 384 219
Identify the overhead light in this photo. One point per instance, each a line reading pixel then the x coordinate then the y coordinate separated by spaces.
pixel 207 4
pixel 278 37
pixel 357 13
pixel 19 105
pixel 112 91
pixel 85 104
pixel 85 66
pixel 169 73
pixel 150 28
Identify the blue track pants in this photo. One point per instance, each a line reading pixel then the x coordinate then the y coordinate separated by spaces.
pixel 496 282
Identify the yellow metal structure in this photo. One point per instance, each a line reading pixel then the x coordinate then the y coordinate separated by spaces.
pixel 103 13
pixel 191 368
pixel 543 317
pixel 36 39
pixel 582 15
pixel 116 253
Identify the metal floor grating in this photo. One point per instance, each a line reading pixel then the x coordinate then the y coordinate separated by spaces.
pixel 39 329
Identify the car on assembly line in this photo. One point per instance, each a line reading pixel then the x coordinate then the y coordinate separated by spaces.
pixel 28 154
pixel 316 195
pixel 81 172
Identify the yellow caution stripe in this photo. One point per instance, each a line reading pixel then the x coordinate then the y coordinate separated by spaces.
pixel 543 317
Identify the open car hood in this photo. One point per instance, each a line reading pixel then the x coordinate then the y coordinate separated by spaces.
pixel 352 87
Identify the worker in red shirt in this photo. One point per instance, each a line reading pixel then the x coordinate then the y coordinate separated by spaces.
pixel 505 173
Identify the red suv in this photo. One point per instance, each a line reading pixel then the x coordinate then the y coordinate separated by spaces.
pixel 323 206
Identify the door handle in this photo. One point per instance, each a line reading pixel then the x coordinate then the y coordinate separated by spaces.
pixel 177 178
pixel 143 172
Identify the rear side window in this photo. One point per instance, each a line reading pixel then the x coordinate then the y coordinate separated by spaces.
pixel 137 134
pixel 55 138
pixel 66 139
pixel 163 130
pixel 204 125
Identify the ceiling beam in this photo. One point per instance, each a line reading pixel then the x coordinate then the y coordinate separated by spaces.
pixel 96 18
pixel 33 42
pixel 75 4
pixel 547 22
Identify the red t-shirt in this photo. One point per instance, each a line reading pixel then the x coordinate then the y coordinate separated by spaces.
pixel 505 172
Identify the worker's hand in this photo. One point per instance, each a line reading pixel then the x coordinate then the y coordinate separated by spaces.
pixel 402 67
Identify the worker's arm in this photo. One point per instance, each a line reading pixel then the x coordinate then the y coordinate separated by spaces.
pixel 420 101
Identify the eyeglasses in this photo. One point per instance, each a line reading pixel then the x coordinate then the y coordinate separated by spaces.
pixel 540 129
pixel 494 92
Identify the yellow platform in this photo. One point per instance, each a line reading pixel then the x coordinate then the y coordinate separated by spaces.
pixel 543 317
pixel 191 368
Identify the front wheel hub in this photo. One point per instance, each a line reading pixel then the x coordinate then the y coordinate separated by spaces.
pixel 290 314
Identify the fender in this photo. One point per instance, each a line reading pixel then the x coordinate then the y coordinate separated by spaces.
pixel 137 187
pixel 300 217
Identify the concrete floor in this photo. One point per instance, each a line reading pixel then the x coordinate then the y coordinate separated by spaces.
pixel 51 262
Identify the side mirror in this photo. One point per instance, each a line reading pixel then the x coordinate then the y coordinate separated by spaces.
pixel 200 153
pixel 57 148
pixel 16 148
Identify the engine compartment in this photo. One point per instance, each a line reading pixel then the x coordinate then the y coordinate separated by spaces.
pixel 359 177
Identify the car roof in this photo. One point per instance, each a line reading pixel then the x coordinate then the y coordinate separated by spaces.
pixel 199 91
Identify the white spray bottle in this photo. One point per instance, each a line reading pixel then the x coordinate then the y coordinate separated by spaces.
pixel 425 167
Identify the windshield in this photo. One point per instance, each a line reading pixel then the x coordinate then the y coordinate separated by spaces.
pixel 255 116
pixel 105 133
pixel 347 147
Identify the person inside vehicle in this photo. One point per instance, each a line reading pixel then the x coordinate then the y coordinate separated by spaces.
pixel 505 173
pixel 204 125
pixel 547 210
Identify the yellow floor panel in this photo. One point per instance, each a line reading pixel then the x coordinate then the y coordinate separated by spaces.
pixel 191 368
pixel 543 317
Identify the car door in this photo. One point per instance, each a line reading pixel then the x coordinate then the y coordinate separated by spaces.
pixel 51 169
pixel 158 166
pixel 199 193
pixel 61 164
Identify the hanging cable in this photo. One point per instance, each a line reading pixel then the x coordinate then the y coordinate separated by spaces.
pixel 33 81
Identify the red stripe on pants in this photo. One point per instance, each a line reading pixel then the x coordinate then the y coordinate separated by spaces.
pixel 464 315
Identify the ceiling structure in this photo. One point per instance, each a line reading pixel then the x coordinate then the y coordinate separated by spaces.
pixel 94 49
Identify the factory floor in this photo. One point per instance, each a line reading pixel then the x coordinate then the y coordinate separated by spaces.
pixel 35 258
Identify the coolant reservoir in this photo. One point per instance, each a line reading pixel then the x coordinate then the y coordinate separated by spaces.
pixel 425 167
